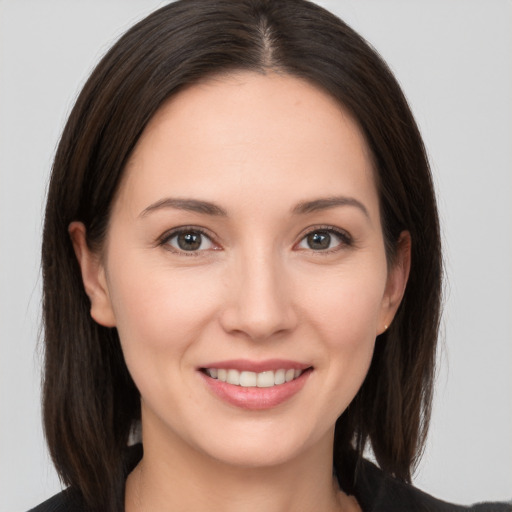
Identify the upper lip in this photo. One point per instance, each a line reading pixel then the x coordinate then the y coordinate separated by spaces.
pixel 257 366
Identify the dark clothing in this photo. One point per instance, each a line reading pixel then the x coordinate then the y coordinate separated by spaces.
pixel 375 492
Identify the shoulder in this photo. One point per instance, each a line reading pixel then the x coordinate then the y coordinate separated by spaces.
pixel 378 492
pixel 65 501
pixel 71 500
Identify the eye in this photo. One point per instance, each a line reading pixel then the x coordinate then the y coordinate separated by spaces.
pixel 325 240
pixel 188 240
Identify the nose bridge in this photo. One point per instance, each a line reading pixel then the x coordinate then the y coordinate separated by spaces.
pixel 260 304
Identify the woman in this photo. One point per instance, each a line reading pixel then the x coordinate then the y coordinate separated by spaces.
pixel 241 250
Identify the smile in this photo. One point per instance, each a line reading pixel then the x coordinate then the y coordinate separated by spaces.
pixel 255 385
pixel 247 379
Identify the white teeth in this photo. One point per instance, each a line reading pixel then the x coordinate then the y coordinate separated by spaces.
pixel 248 379
pixel 233 377
pixel 290 374
pixel 279 377
pixel 265 379
pixel 252 379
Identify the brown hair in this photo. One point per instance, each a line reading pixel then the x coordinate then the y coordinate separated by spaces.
pixel 89 398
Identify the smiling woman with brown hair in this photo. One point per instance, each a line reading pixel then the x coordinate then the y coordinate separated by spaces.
pixel 241 252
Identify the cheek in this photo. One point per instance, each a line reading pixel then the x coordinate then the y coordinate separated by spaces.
pixel 344 314
pixel 347 323
pixel 156 310
pixel 159 317
pixel 345 305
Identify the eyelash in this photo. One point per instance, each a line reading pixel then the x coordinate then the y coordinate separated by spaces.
pixel 168 236
pixel 345 238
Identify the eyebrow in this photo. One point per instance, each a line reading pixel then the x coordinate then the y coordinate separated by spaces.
pixel 328 202
pixel 208 208
pixel 191 205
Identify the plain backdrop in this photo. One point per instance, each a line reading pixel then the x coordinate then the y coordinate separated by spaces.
pixel 454 61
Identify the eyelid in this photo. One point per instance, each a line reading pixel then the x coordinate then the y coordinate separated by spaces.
pixel 346 238
pixel 163 240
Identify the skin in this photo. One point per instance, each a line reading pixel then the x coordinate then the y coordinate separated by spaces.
pixel 255 145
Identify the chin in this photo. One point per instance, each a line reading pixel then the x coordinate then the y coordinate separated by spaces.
pixel 253 454
pixel 263 443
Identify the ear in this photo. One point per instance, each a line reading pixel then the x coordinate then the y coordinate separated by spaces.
pixel 93 276
pixel 398 275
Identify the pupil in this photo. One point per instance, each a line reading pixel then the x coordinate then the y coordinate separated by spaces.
pixel 319 240
pixel 189 241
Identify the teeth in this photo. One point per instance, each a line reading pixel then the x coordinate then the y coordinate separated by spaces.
pixel 252 379
pixel 265 379
pixel 248 379
pixel 279 377
pixel 233 377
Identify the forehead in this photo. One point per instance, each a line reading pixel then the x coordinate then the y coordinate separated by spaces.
pixel 258 133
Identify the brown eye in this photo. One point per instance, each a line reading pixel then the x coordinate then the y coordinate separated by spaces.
pixel 190 241
pixel 325 239
pixel 319 240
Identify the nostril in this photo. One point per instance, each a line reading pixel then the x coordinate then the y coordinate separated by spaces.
pixel 258 322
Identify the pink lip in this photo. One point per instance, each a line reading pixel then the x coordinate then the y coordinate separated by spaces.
pixel 254 398
pixel 257 366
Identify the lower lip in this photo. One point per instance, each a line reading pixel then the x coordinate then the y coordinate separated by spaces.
pixel 255 398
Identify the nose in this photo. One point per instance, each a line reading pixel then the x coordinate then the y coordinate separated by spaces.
pixel 260 301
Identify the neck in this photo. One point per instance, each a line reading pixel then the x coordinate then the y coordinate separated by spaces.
pixel 174 476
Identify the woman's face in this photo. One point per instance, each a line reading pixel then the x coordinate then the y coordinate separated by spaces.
pixel 245 244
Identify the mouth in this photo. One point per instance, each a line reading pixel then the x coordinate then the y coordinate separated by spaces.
pixel 255 386
pixel 249 379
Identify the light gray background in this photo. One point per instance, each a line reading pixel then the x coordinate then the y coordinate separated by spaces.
pixel 454 60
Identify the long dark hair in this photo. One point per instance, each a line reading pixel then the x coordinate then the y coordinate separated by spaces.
pixel 89 398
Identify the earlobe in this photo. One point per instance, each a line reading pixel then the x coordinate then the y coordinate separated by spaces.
pixel 93 276
pixel 398 275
